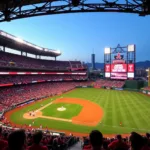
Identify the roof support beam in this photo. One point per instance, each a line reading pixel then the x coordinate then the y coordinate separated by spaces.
pixel 49 7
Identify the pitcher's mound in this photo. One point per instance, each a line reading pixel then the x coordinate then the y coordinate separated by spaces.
pixel 61 108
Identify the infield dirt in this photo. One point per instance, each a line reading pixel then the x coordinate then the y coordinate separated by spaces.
pixel 90 115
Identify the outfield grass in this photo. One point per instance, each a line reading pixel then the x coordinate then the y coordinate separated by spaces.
pixel 71 110
pixel 130 108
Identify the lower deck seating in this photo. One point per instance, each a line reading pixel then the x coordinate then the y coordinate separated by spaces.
pixel 109 83
pixel 16 94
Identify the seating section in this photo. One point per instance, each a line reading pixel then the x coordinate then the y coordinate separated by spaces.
pixel 47 140
pixel 17 94
pixel 76 65
pixel 23 79
pixel 12 60
pixel 109 83
pixel 134 141
pixel 20 93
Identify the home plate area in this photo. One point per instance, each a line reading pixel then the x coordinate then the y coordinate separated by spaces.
pixel 75 110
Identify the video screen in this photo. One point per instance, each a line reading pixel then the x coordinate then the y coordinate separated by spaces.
pixel 122 76
pixel 119 71
pixel 119 68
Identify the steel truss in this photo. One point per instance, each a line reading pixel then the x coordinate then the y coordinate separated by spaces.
pixel 49 7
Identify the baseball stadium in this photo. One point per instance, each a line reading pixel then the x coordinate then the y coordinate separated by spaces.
pixel 62 100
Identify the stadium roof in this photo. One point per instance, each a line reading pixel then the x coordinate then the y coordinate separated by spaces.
pixel 13 42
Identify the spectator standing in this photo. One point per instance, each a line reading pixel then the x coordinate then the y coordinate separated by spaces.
pixel 16 140
pixel 118 144
pixel 96 140
pixel 136 141
pixel 37 137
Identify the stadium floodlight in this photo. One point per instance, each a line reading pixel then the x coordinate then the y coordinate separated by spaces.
pixel 107 50
pixel 51 50
pixel 19 40
pixel 45 49
pixel 29 44
pixel 39 48
pixel 131 48
pixel 57 51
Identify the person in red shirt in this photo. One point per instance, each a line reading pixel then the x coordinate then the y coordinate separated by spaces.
pixel 44 141
pixel 37 137
pixel 87 147
pixel 5 136
pixel 118 144
pixel 3 144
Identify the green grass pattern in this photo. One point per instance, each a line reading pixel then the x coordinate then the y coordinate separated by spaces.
pixel 71 111
pixel 130 108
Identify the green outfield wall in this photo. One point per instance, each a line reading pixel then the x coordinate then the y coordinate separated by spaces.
pixel 133 84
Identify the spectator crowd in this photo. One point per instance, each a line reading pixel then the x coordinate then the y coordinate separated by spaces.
pixel 109 83
pixel 12 60
pixel 16 94
pixel 24 79
pixel 20 139
pixel 135 141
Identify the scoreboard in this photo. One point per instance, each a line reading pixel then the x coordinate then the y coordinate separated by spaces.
pixel 119 71
pixel 117 65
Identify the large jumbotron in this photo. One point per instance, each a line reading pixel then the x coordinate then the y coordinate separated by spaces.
pixel 38 92
pixel 120 62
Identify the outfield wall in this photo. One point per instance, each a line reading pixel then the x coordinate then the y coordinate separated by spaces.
pixel 133 84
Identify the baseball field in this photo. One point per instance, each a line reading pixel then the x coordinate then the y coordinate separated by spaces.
pixel 84 109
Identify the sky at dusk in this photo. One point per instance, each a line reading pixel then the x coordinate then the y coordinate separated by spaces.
pixel 77 35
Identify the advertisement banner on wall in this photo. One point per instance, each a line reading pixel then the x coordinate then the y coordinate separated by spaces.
pixel 130 67
pixel 107 68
